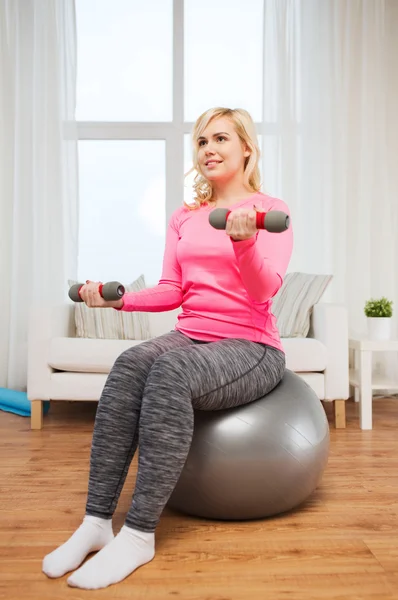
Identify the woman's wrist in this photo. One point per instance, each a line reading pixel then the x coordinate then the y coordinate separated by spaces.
pixel 118 304
pixel 243 239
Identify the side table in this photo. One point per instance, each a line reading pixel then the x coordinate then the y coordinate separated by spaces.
pixel 361 377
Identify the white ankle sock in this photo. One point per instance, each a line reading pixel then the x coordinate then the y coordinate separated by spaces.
pixel 129 550
pixel 93 534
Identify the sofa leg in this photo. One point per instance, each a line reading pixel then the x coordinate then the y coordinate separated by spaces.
pixel 36 417
pixel 339 414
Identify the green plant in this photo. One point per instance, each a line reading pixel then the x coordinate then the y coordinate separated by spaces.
pixel 378 308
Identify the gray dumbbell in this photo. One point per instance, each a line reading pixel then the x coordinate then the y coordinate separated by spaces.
pixel 274 221
pixel 113 290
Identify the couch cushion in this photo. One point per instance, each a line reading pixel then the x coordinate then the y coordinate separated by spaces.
pixel 85 355
pixel 89 386
pixel 304 354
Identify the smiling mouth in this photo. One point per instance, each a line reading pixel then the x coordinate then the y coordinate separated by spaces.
pixel 212 162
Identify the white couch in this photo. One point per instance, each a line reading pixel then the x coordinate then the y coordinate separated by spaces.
pixel 63 367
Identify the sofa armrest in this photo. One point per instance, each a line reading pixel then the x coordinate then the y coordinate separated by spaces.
pixel 44 324
pixel 329 325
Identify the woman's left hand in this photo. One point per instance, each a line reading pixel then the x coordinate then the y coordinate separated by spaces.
pixel 241 224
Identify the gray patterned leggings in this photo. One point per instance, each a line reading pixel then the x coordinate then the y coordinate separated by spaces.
pixel 149 398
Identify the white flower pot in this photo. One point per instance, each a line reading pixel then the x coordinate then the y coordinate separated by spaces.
pixel 379 328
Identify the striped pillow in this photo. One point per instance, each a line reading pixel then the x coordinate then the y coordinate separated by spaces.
pixel 111 324
pixel 292 305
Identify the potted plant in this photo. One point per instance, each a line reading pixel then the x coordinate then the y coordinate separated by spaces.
pixel 379 313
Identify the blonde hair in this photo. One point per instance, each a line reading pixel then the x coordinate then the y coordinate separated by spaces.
pixel 244 127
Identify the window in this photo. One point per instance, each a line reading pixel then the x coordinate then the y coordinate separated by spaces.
pixel 146 70
pixel 223 62
pixel 124 60
pixel 122 217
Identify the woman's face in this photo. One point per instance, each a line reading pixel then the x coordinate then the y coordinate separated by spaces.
pixel 221 153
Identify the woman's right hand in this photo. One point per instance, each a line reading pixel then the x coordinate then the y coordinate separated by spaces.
pixel 89 293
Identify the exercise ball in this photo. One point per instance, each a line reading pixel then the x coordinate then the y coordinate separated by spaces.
pixel 256 460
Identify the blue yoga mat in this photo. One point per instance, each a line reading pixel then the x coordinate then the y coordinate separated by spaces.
pixel 17 402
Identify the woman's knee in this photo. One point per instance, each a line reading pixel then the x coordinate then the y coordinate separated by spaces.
pixel 170 363
pixel 168 372
pixel 134 359
pixel 127 378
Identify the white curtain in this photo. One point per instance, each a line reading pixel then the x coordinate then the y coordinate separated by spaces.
pixel 38 169
pixel 331 81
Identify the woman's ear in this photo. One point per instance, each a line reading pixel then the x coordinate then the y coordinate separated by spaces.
pixel 246 150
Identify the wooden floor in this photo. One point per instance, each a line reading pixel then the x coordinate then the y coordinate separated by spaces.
pixel 343 543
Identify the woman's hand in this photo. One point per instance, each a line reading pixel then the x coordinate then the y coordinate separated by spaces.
pixel 90 295
pixel 241 224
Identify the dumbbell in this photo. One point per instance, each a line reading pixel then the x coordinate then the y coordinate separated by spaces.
pixel 113 290
pixel 274 221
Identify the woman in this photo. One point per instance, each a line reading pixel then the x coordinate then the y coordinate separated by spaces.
pixel 225 350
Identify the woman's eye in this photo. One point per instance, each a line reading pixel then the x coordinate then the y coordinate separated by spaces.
pixel 202 142
pixel 221 137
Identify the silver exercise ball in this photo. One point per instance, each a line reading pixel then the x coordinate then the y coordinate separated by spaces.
pixel 256 460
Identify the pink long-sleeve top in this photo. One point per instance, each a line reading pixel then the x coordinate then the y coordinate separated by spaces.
pixel 224 287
